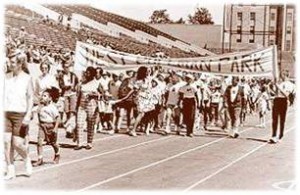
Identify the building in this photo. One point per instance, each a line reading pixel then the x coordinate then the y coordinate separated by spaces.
pixel 255 26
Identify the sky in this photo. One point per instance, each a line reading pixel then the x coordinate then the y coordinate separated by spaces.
pixel 142 10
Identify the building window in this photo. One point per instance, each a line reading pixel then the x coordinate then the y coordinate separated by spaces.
pixel 252 29
pixel 240 16
pixel 239 39
pixel 288 45
pixel 272 16
pixel 252 15
pixel 252 39
pixel 272 29
pixel 271 42
pixel 289 16
pixel 288 30
pixel 239 29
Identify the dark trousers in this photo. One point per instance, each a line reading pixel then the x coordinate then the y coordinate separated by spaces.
pixel 206 112
pixel 156 114
pixel 279 111
pixel 214 111
pixel 188 111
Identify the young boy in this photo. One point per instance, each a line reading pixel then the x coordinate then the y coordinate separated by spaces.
pixel 263 106
pixel 49 120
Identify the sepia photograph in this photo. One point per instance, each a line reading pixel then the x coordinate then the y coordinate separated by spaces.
pixel 180 96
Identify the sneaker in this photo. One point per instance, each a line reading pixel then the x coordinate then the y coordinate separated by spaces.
pixel 236 135
pixel 111 132
pixel 39 162
pixel 88 147
pixel 11 172
pixel 132 133
pixel 28 166
pixel 273 140
pixel 56 159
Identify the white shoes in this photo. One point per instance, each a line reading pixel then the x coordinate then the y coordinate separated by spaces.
pixel 11 173
pixel 273 140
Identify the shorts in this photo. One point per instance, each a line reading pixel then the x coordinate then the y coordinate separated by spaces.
pixel 13 124
pixel 46 132
pixel 108 117
pixel 70 103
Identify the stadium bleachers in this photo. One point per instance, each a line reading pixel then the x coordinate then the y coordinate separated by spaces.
pixel 54 35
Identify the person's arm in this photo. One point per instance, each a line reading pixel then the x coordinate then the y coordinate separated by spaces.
pixel 29 96
pixel 57 122
pixel 197 100
pixel 180 99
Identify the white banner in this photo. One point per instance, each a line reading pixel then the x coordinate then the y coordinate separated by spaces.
pixel 255 63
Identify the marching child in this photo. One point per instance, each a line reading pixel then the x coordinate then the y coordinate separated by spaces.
pixel 49 120
pixel 263 105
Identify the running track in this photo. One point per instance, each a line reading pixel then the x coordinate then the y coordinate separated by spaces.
pixel 211 161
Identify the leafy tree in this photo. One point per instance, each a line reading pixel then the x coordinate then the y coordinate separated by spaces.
pixel 201 16
pixel 160 17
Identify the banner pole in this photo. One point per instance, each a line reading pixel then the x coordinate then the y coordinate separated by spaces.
pixel 275 63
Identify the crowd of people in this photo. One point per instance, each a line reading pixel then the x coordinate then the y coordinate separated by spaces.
pixel 153 99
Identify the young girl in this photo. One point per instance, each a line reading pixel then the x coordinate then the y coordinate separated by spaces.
pixel 49 120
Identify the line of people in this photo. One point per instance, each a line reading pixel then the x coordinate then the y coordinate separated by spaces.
pixel 151 98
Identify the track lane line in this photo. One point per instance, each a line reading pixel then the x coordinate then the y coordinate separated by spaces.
pixel 163 160
pixel 230 164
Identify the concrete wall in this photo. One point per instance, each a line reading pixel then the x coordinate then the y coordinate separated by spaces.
pixel 196 34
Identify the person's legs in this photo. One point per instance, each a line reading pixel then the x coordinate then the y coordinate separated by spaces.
pixel 81 119
pixel 40 140
pixel 20 146
pixel 136 123
pixel 91 116
pixel 9 156
pixel 168 119
pixel 282 115
pixel 275 116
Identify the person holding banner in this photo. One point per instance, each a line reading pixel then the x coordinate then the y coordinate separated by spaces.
pixel 145 100
pixel 281 91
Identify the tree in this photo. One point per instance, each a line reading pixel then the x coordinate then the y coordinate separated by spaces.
pixel 160 17
pixel 180 21
pixel 201 16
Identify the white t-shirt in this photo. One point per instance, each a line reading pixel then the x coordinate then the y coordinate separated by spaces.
pixel 49 113
pixel 104 83
pixel 44 82
pixel 287 87
pixel 16 91
pixel 173 93
pixel 233 93
pixel 215 97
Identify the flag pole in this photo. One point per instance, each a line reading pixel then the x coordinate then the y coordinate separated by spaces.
pixel 275 63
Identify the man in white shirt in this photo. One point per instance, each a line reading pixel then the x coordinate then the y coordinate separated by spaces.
pixel 18 103
pixel 281 92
